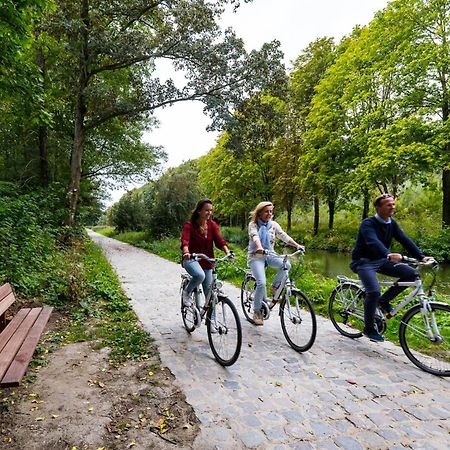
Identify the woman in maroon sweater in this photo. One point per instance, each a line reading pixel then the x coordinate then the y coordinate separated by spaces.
pixel 199 235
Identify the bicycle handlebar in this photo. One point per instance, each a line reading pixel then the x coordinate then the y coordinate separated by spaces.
pixel 299 251
pixel 431 262
pixel 198 256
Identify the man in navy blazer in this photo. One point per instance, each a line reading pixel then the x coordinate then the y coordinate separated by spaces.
pixel 371 255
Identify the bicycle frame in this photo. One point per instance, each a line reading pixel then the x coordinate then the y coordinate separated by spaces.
pixel 418 291
pixel 215 286
pixel 286 284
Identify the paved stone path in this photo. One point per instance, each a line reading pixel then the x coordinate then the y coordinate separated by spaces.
pixel 342 394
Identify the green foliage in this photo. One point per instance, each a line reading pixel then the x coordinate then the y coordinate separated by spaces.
pixel 33 256
pixel 175 195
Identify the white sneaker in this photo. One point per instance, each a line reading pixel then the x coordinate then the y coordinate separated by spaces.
pixel 187 298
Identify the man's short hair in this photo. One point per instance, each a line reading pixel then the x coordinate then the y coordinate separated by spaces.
pixel 380 198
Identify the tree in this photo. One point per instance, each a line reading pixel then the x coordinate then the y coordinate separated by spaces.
pixel 425 70
pixel 309 68
pixel 173 197
pixel 105 40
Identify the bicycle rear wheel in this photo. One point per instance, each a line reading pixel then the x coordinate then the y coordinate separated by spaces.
pixel 298 321
pixel 190 315
pixel 247 293
pixel 346 309
pixel 430 354
pixel 224 332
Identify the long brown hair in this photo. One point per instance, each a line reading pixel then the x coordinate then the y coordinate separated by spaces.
pixel 196 211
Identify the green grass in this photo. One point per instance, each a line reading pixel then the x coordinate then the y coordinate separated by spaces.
pixel 102 311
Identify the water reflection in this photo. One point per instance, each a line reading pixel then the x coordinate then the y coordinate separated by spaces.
pixel 333 264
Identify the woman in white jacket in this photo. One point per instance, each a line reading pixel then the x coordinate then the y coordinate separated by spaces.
pixel 262 233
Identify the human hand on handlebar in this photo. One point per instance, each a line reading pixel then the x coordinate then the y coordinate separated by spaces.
pixel 427 259
pixel 395 257
pixel 231 255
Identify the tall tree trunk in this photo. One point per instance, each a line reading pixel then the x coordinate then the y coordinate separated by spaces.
pixel 366 205
pixel 42 131
pixel 289 206
pixel 446 196
pixel 331 211
pixel 43 156
pixel 316 216
pixel 80 114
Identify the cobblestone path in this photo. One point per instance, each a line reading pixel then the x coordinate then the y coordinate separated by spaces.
pixel 342 394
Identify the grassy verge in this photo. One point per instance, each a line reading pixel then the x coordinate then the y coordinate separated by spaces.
pixel 102 311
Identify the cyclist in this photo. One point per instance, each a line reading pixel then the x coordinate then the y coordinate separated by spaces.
pixel 371 255
pixel 263 232
pixel 199 235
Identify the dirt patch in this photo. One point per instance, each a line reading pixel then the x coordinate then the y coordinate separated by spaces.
pixel 78 400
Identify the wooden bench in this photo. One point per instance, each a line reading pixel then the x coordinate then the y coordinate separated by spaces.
pixel 18 337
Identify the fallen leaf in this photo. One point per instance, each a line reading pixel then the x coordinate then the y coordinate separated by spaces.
pixel 39 419
pixel 55 416
pixel 318 374
pixel 351 381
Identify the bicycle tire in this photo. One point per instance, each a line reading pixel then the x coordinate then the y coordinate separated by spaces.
pixel 247 293
pixel 298 322
pixel 190 317
pixel 226 342
pixel 346 309
pixel 432 357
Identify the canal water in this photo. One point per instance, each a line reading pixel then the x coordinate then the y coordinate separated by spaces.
pixel 333 264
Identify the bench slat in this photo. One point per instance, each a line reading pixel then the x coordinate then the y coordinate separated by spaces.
pixel 6 302
pixel 12 346
pixel 12 327
pixel 5 289
pixel 19 366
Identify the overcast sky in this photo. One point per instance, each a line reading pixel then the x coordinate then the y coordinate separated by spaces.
pixel 295 23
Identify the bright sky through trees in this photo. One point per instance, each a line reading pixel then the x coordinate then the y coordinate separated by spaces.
pixel 295 23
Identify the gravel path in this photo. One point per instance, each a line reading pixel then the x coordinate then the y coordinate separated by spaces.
pixel 342 394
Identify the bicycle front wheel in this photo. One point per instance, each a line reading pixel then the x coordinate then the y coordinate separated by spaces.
pixel 346 309
pixel 425 338
pixel 224 332
pixel 298 321
pixel 247 293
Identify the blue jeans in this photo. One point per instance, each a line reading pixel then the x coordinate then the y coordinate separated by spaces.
pixel 198 276
pixel 258 265
pixel 367 270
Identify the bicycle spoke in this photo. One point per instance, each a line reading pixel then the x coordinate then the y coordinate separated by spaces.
pixel 298 321
pixel 224 332
pixel 346 310
pixel 247 292
pixel 431 354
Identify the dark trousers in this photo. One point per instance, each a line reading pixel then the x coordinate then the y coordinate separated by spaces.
pixel 367 271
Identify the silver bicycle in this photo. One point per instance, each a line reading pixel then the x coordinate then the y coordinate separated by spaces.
pixel 424 331
pixel 221 317
pixel 298 320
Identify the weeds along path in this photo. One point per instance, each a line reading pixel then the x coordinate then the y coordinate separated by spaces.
pixel 340 394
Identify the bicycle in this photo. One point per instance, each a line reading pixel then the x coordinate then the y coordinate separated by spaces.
pixel 424 331
pixel 222 319
pixel 298 320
